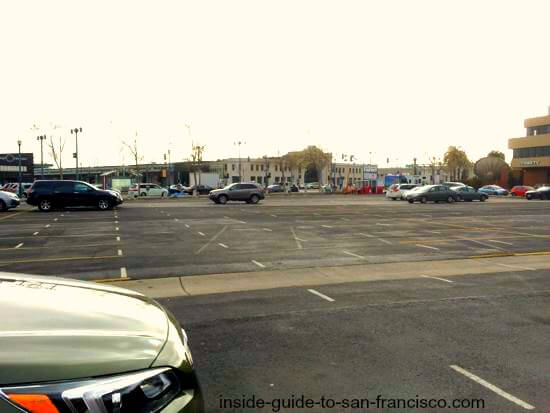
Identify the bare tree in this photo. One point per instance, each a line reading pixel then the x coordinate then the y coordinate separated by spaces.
pixel 133 148
pixel 57 154
pixel 196 158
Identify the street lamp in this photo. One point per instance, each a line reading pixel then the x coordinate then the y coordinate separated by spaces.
pixel 240 168
pixel 20 178
pixel 41 138
pixel 75 155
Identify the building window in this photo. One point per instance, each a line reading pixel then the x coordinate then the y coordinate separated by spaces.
pixel 277 179
pixel 233 167
pixel 276 168
pixel 253 178
pixel 262 167
pixel 225 167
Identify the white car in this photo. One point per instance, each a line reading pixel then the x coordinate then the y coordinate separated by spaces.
pixel 147 190
pixel 395 191
pixel 8 200
pixel 406 192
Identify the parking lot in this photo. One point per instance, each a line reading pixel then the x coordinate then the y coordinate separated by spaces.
pixel 166 238
pixel 326 296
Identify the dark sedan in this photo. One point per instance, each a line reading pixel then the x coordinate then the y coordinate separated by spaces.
pixel 541 193
pixel 469 194
pixel 435 193
pixel 201 189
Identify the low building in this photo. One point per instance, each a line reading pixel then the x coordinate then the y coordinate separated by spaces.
pixel 9 167
pixel 531 158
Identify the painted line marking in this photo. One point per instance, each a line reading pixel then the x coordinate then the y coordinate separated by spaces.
pixel 492 387
pixel 19 245
pixel 366 235
pixel 323 296
pixel 116 228
pixel 226 217
pixel 186 226
pixel 59 259
pixel 484 244
pixel 241 222
pixel 437 278
pixel 47 226
pixel 175 219
pixel 344 219
pixel 120 253
pixel 380 223
pixel 427 246
pixel 201 249
pixel 385 240
pixel 222 245
pixel 123 272
pixel 116 222
pixel 267 229
pixel 273 215
pixel 517 267
pixel 326 226
pixel 62 215
pixel 353 255
pixel 317 214
pixel 55 219
pixel 11 215
pixel 259 264
pixel 501 242
pixel 118 238
pixel 298 244
pixel 35 233
pixel 201 234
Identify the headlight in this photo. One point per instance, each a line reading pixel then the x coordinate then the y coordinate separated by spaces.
pixel 145 391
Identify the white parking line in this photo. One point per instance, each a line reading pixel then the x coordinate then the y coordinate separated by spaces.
pixel 385 240
pixel 517 267
pixel 62 215
pixel 47 226
pixel 175 219
pixel 323 296
pixel 353 255
pixel 492 387
pixel 120 252
pixel 267 229
pixel 222 245
pixel 123 273
pixel 484 244
pixel 116 222
pixel 116 228
pixel 380 223
pixel 201 249
pixel 344 219
pixel 186 226
pixel 273 215
pixel 118 238
pixel 19 245
pixel 35 233
pixel 55 219
pixel 437 278
pixel 427 246
pixel 326 226
pixel 501 242
pixel 259 264
pixel 366 235
pixel 296 238
pixel 201 234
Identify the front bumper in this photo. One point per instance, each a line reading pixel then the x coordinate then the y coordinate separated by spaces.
pixel 13 203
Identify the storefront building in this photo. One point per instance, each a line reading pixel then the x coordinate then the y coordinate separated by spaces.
pixel 531 159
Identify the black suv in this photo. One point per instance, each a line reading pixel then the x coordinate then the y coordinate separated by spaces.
pixel 59 194
pixel 250 193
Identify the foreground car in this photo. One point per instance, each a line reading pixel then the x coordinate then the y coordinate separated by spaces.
pixel 435 193
pixel 541 193
pixel 51 194
pixel 73 346
pixel 8 200
pixel 467 193
pixel 250 193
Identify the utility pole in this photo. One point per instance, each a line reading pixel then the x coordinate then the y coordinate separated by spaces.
pixel 20 177
pixel 41 138
pixel 240 166
pixel 75 155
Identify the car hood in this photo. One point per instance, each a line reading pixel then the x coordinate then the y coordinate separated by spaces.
pixel 57 329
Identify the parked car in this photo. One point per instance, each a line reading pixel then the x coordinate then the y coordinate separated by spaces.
pixel 467 193
pixel 275 188
pixel 453 184
pixel 147 189
pixel 8 200
pixel 251 193
pixel 493 190
pixel 405 192
pixel 312 185
pixel 327 188
pixel 93 348
pixel 294 188
pixel 14 188
pixel 201 189
pixel 541 193
pixel 50 194
pixel 434 193
pixel 520 190
pixel 395 191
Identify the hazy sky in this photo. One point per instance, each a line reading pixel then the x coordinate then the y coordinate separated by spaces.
pixel 396 78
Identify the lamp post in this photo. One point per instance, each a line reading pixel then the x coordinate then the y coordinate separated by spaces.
pixel 75 155
pixel 20 178
pixel 41 138
pixel 240 167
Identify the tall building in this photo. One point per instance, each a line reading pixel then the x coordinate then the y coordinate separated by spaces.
pixel 531 159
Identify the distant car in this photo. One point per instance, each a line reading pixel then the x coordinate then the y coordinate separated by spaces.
pixel 395 191
pixel 76 346
pixel 327 188
pixel 541 193
pixel 493 190
pixel 435 193
pixel 520 190
pixel 312 185
pixel 147 189
pixel 51 194
pixel 251 193
pixel 275 188
pixel 405 192
pixel 8 200
pixel 201 189
pixel 467 193
pixel 294 188
pixel 453 184
pixel 14 188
